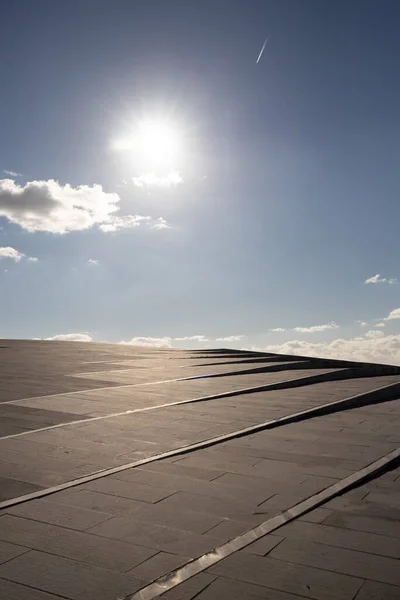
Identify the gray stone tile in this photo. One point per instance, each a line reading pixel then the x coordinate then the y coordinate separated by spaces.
pixel 10 488
pixel 67 578
pixel 364 523
pixel 287 577
pixel 151 535
pixel 189 589
pixel 158 565
pixel 342 538
pixel 9 551
pixel 348 562
pixel 14 591
pixel 228 589
pixel 186 484
pixel 264 545
pixel 125 489
pixel 371 590
pixel 76 545
pixel 211 506
pixel 318 515
pixel 59 514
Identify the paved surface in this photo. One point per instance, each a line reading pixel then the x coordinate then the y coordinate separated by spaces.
pixel 64 416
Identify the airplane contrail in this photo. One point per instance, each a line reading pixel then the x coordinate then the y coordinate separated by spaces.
pixel 261 51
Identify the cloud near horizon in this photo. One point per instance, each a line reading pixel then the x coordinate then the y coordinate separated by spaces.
pixel 377 349
pixel 55 208
pixel 68 337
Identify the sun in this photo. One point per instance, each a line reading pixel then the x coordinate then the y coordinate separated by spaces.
pixel 154 144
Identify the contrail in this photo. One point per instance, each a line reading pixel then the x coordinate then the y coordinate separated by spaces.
pixel 262 50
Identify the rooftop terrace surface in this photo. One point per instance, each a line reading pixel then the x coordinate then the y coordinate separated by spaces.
pixel 136 473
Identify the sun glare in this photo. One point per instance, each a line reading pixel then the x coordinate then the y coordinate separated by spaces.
pixel 154 144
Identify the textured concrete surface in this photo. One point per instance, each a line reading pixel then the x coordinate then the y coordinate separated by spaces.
pixel 62 417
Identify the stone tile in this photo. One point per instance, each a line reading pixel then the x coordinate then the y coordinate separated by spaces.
pixel 211 506
pixel 11 488
pixel 348 562
pixel 264 545
pixel 14 591
pixel 318 515
pixel 67 578
pixel 371 590
pixel 364 523
pixel 247 482
pixel 228 529
pixel 287 577
pixel 158 566
pixel 9 551
pixel 125 489
pixel 186 484
pixel 58 514
pixel 342 538
pixel 151 535
pixel 189 589
pixel 228 589
pixel 75 545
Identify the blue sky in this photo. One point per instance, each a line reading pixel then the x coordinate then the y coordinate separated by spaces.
pixel 267 196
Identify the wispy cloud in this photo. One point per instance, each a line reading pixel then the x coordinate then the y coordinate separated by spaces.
pixel 230 338
pixel 164 342
pixel 12 173
pixel 92 262
pixel 315 328
pixel 311 329
pixel 394 314
pixel 130 221
pixel 153 180
pixel 378 279
pixel 192 338
pixel 380 325
pixel 16 255
pixel 362 323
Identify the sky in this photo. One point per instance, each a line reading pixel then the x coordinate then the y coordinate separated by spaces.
pixel 160 186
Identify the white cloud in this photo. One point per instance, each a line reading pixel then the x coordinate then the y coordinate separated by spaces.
pixel 164 342
pixel 373 334
pixel 13 254
pixel 315 328
pixel 384 349
pixel 230 338
pixel 12 173
pixel 395 314
pixel 8 252
pixel 192 338
pixel 311 329
pixel 55 208
pixel 70 337
pixel 159 223
pixel 153 180
pixel 362 323
pixel 92 261
pixel 129 221
pixel 380 325
pixel 378 279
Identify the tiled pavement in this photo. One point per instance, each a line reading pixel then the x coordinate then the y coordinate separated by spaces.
pixel 112 536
